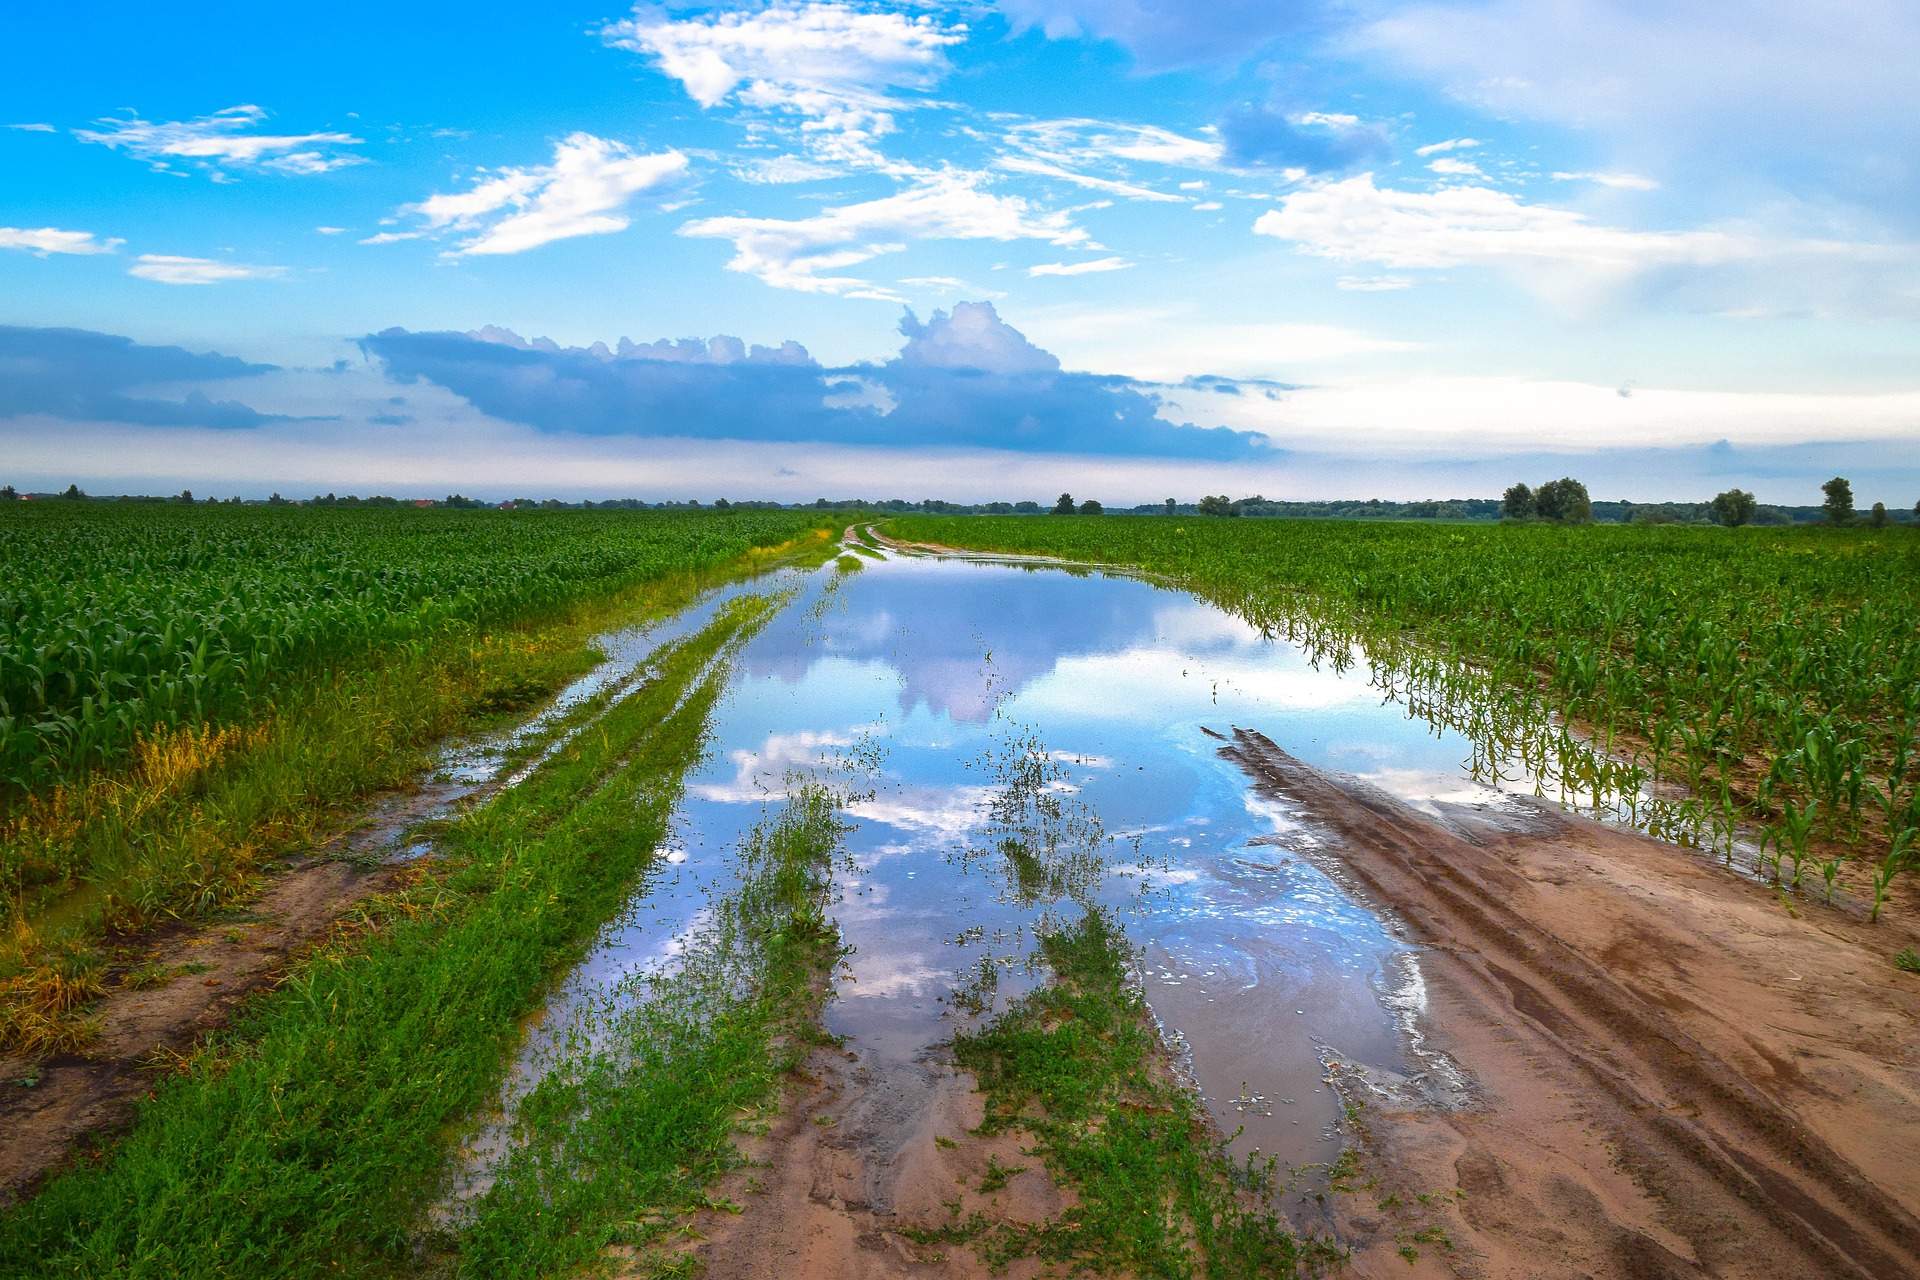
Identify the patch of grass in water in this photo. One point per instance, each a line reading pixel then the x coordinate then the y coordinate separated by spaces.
pixel 1074 1063
pixel 634 1120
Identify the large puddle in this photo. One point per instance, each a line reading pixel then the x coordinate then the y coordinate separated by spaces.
pixel 1026 741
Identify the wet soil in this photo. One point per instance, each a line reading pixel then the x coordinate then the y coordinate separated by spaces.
pixel 865 1151
pixel 1644 1065
pixel 78 1099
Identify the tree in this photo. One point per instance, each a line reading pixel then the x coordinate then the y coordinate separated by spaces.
pixel 1734 507
pixel 73 491
pixel 1064 507
pixel 8 494
pixel 1878 517
pixel 1839 503
pixel 1564 500
pixel 1217 506
pixel 1172 506
pixel 1517 503
pixel 1091 508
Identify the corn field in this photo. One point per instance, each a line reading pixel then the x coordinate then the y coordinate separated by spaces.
pixel 119 619
pixel 1769 678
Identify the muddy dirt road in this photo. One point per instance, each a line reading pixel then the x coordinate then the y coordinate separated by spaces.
pixel 1668 1074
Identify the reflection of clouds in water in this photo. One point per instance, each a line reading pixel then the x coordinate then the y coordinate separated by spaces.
pixel 950 812
pixel 761 774
pixel 1117 686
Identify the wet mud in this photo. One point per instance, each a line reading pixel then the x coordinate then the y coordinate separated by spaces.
pixel 1650 1067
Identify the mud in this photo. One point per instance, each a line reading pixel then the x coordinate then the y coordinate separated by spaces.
pixel 864 1152
pixel 1659 1070
pixel 78 1097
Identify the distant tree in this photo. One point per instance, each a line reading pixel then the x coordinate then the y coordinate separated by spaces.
pixel 1565 501
pixel 1064 507
pixel 1734 507
pixel 7 493
pixel 1172 506
pixel 1878 517
pixel 1091 508
pixel 1839 503
pixel 186 495
pixel 1517 502
pixel 1220 505
pixel 73 491
pixel 1026 508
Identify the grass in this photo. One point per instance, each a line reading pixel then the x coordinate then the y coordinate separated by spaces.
pixel 627 1130
pixel 308 1138
pixel 1907 961
pixel 1077 1065
pixel 186 827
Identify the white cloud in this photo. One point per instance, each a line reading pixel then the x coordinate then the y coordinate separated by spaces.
pixel 168 269
pixel 1079 268
pixel 581 193
pixel 830 63
pixel 330 231
pixel 221 140
pixel 1626 181
pixel 798 253
pixel 1451 144
pixel 779 170
pixel 34 128
pixel 1076 141
pixel 1355 220
pixel 1456 168
pixel 1041 168
pixel 1373 284
pixel 45 240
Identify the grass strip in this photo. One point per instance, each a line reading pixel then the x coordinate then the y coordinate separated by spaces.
pixel 1076 1063
pixel 306 1140
pixel 634 1118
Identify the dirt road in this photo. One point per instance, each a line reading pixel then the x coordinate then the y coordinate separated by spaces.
pixel 1666 1072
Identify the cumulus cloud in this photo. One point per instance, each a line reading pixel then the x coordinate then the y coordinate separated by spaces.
pixel 221 142
pixel 831 64
pixel 1080 268
pixel 78 375
pixel 582 193
pixel 170 269
pixel 1314 142
pixel 802 253
pixel 963 378
pixel 42 241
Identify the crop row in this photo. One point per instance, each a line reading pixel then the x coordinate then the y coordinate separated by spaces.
pixel 1774 673
pixel 117 620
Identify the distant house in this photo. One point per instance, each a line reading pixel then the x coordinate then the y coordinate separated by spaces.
pixel 423 502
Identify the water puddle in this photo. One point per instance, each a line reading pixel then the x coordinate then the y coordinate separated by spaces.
pixel 1030 741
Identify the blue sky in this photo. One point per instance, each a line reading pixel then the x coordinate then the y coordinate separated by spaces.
pixel 982 250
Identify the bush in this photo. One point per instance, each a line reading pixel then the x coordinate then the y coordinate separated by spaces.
pixel 1734 508
pixel 1564 501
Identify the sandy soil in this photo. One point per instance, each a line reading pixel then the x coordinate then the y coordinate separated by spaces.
pixel 1638 1063
pixel 863 1149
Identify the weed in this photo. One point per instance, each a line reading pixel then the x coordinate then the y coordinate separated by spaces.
pixel 1907 961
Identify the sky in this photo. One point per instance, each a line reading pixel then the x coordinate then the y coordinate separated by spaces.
pixel 1132 249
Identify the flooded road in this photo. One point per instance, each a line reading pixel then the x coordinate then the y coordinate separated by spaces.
pixel 1021 743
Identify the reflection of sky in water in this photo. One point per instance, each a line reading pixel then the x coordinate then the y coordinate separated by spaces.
pixel 1252 954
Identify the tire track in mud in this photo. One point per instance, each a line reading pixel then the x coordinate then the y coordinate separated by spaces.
pixel 1697 1169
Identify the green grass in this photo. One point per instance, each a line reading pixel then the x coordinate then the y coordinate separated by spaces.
pixel 308 1139
pixel 1078 1065
pixel 627 1130
pixel 1773 672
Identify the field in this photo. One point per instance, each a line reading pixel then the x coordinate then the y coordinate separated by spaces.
pixel 187 693
pixel 1772 674
pixel 199 702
